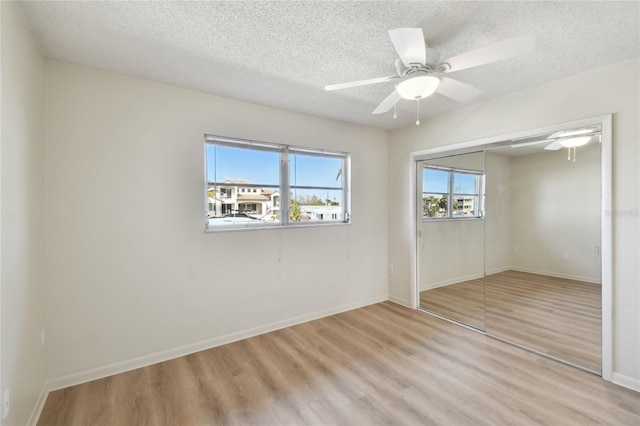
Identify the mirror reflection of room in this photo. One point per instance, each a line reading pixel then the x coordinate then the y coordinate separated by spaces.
pixel 544 225
pixel 525 266
pixel 452 237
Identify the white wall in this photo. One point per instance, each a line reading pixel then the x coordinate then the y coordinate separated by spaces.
pixel 497 222
pixel 23 216
pixel 555 210
pixel 613 89
pixel 451 251
pixel 131 272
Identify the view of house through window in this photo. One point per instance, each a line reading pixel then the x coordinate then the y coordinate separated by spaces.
pixel 451 193
pixel 316 187
pixel 262 184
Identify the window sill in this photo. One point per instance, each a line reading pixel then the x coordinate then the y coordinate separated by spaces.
pixel 215 230
pixel 451 219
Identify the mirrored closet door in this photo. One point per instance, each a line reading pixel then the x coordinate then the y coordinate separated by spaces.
pixel 509 242
pixel 543 265
pixel 451 243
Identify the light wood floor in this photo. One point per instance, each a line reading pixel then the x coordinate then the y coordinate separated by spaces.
pixel 462 302
pixel 555 316
pixel 382 364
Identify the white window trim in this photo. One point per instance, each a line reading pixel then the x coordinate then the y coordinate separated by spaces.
pixel 284 184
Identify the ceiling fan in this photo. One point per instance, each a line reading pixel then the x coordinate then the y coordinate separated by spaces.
pixel 419 68
pixel 570 139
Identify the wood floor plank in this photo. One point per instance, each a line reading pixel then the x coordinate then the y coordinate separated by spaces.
pixel 378 365
pixel 556 316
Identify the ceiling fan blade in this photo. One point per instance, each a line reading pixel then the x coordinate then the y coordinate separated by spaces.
pixel 457 90
pixel 388 103
pixel 526 144
pixel 409 43
pixel 554 146
pixel 495 52
pixel 339 86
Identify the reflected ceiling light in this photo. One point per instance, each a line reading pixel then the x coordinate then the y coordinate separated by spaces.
pixel 567 133
pixel 419 87
pixel 573 143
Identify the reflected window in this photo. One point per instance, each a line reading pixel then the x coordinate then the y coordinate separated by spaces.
pixel 451 193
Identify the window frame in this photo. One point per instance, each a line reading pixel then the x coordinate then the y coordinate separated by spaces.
pixel 452 195
pixel 284 187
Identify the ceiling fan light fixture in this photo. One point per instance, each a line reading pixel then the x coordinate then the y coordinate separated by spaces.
pixel 418 87
pixel 574 142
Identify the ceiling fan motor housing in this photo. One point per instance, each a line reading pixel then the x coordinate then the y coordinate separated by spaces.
pixel 432 56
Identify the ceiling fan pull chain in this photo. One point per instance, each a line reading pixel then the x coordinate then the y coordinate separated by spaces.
pixel 395 113
pixel 574 154
pixel 568 153
pixel 417 112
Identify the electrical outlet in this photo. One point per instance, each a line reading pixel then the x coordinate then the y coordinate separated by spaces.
pixel 565 255
pixel 515 249
pixel 391 269
pixel 42 337
pixel 6 405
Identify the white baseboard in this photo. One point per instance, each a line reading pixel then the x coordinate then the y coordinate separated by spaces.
pixel 457 280
pixel 558 275
pixel 431 286
pixel 400 301
pixel 37 409
pixel 497 270
pixel 154 358
pixel 626 381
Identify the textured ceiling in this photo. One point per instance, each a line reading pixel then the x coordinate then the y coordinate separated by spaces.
pixel 282 54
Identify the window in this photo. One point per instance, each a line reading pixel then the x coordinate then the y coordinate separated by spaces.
pixel 256 184
pixel 452 193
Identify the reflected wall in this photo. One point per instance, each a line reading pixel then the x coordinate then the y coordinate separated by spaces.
pixel 543 278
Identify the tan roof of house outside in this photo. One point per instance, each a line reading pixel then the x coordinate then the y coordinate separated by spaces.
pixel 253 197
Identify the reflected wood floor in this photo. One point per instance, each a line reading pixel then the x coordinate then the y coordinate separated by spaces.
pixel 382 364
pixel 556 316
pixel 462 302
